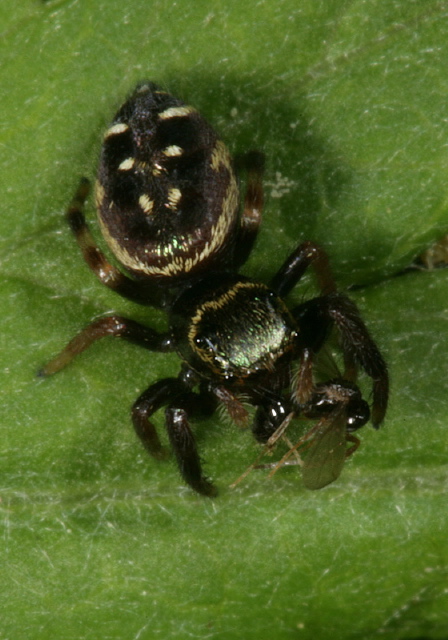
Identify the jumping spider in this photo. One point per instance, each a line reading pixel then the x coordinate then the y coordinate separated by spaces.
pixel 168 207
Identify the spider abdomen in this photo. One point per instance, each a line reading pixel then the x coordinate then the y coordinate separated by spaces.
pixel 167 196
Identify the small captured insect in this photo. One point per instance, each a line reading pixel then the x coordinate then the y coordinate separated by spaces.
pixel 325 444
pixel 168 205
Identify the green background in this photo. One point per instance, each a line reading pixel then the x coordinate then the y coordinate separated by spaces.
pixel 348 100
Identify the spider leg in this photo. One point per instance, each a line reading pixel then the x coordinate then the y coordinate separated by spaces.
pixel 253 162
pixel 181 402
pixel 107 274
pixel 316 319
pixel 359 348
pixel 307 254
pixel 150 400
pixel 184 447
pixel 115 326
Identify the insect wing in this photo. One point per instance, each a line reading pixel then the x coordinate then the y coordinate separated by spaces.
pixel 326 452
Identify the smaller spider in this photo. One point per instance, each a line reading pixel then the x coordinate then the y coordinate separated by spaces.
pixel 168 207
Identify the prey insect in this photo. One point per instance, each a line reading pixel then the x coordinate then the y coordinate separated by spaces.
pixel 321 452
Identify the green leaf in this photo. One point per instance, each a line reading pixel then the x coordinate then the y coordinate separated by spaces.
pixel 348 101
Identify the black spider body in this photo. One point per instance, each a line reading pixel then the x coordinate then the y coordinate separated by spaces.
pixel 168 206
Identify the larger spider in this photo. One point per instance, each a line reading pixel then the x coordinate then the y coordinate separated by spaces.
pixel 168 207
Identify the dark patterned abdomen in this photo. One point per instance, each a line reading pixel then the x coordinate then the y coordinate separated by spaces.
pixel 167 196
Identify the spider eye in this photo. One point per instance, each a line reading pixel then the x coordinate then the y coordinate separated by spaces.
pixel 204 343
